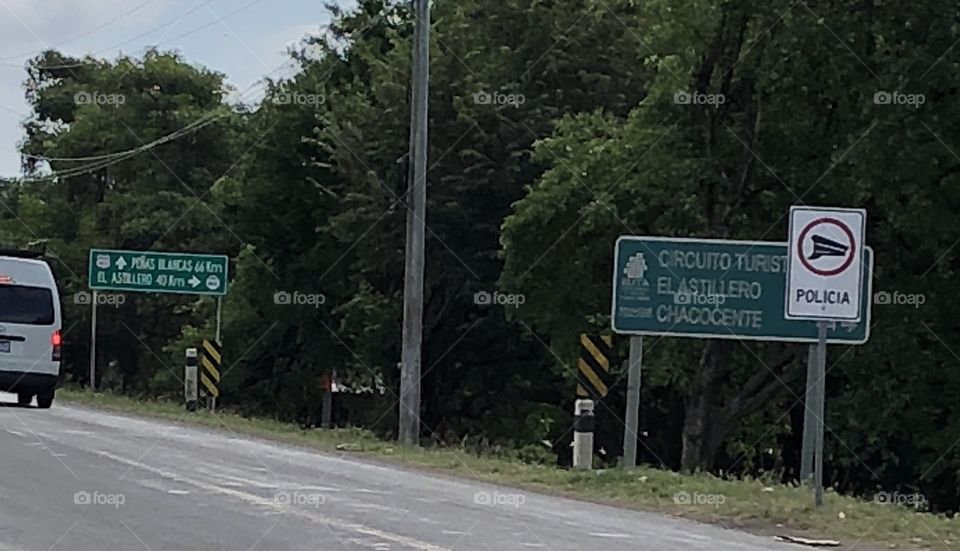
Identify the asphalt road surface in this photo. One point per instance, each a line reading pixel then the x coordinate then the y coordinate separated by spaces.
pixel 81 480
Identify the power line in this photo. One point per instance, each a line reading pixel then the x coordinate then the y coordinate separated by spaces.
pixel 123 156
pixel 108 156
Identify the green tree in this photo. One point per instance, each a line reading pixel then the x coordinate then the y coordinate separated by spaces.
pixel 799 125
pixel 124 154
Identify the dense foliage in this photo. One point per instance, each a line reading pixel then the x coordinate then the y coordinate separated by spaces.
pixel 554 128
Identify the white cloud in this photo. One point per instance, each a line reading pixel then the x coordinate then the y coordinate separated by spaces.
pixel 261 33
pixel 32 25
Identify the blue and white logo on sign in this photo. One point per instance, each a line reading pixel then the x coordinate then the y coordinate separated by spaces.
pixel 636 267
pixel 634 284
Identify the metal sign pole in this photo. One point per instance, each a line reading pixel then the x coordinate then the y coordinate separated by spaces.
pixel 809 419
pixel 93 343
pixel 219 313
pixel 213 399
pixel 632 426
pixel 821 399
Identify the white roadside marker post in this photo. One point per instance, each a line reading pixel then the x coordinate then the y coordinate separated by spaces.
pixel 583 422
pixel 190 380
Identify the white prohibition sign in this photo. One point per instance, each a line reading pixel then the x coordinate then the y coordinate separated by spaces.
pixel 824 264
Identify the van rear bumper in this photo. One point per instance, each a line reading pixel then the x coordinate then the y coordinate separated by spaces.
pixel 18 381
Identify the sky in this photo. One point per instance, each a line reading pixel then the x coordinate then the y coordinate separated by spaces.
pixel 244 39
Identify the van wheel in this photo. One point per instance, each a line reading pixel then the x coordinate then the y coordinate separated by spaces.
pixel 45 399
pixel 24 399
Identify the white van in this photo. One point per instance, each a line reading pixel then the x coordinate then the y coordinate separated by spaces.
pixel 30 330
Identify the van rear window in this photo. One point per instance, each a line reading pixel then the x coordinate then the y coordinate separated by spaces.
pixel 26 305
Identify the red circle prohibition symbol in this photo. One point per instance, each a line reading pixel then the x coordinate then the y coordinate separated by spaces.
pixel 843 227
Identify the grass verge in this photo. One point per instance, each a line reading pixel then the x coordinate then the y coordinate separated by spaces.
pixel 752 505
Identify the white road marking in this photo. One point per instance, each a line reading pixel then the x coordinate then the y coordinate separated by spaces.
pixel 272 503
pixel 609 535
pixel 371 507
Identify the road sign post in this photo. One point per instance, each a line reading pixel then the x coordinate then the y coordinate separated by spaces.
pixel 219 317
pixel 820 408
pixel 631 427
pixel 154 272
pixel 825 284
pixel 93 342
pixel 809 419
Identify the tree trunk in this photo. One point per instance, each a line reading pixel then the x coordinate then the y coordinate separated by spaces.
pixel 693 439
pixel 707 423
pixel 698 439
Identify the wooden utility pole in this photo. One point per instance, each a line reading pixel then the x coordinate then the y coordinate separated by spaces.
pixel 416 200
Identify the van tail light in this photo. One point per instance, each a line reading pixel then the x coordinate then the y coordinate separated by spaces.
pixel 57 341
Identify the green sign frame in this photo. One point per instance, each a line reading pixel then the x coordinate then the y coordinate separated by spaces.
pixel 158 272
pixel 717 289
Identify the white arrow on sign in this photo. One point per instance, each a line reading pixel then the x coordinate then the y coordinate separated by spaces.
pixel 194 281
pixel 121 263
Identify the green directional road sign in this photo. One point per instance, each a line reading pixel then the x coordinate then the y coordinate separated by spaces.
pixel 715 289
pixel 150 272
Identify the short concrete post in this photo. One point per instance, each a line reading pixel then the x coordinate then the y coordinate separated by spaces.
pixel 583 434
pixel 190 380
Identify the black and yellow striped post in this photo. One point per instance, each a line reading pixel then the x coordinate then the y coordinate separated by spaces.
pixel 593 366
pixel 210 363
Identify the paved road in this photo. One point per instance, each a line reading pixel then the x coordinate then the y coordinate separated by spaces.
pixel 81 480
